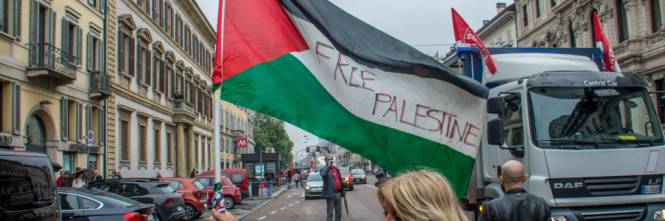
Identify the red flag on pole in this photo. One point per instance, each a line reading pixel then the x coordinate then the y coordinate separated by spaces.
pixel 465 35
pixel 605 46
pixel 217 60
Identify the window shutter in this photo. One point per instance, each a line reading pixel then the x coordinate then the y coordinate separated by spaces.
pixel 131 66
pixel 34 22
pixel 102 125
pixel 79 45
pixel 78 122
pixel 51 35
pixel 64 118
pixel 65 39
pixel 90 58
pixel 162 76
pixel 102 6
pixel 121 53
pixel 101 57
pixel 148 73
pixel 139 64
pixel 17 18
pixel 16 104
pixel 88 118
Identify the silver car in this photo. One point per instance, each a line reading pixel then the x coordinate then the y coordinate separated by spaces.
pixel 314 186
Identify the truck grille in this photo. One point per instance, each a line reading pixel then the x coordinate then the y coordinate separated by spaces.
pixel 627 215
pixel 612 186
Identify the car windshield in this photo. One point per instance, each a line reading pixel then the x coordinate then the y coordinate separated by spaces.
pixel 198 185
pixel 228 181
pixel 344 171
pixel 357 172
pixel 205 181
pixel 164 188
pixel 594 116
pixel 314 177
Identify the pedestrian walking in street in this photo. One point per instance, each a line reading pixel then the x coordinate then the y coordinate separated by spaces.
pixel 333 191
pixel 517 204
pixel 420 195
pixel 296 179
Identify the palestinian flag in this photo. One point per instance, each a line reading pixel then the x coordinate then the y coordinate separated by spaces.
pixel 311 64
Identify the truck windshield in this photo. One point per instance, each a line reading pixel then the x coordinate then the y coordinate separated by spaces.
pixel 593 117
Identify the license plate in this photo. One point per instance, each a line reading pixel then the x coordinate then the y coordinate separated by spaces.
pixel 180 208
pixel 650 189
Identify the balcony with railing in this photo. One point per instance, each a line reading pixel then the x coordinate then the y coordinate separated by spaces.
pixel 51 62
pixel 99 85
pixel 181 106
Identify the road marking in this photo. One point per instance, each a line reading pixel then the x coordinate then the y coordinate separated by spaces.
pixel 297 201
pixel 289 196
pixel 273 212
pixel 261 218
pixel 282 208
pixel 290 204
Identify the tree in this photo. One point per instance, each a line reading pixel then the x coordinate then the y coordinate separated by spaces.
pixel 269 133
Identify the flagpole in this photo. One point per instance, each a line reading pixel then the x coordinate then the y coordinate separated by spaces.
pixel 216 103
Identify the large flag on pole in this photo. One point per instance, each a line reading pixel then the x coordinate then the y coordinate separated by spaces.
pixel 466 36
pixel 311 64
pixel 602 42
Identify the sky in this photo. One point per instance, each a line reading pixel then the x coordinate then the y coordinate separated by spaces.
pixel 423 24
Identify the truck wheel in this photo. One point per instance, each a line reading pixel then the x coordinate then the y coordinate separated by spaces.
pixel 228 203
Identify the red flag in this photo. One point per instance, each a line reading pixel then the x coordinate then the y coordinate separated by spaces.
pixel 217 61
pixel 465 35
pixel 605 46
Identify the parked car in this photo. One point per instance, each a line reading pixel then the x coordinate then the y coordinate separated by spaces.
pixel 240 178
pixel 230 192
pixel 359 176
pixel 27 187
pixel 169 205
pixel 196 199
pixel 313 186
pixel 347 178
pixel 86 204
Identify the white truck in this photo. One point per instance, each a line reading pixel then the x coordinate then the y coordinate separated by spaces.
pixel 591 141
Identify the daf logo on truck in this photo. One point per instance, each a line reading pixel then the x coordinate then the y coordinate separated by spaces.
pixel 568 185
pixel 600 83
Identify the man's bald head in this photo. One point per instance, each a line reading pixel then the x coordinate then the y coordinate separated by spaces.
pixel 513 172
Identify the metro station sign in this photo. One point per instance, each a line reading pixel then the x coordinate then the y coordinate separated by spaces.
pixel 241 142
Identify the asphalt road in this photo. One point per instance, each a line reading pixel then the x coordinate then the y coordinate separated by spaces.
pixel 291 206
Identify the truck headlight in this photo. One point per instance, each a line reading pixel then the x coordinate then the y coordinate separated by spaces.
pixel 559 218
pixel 659 215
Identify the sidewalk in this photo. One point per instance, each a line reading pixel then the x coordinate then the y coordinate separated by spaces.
pixel 275 193
pixel 249 204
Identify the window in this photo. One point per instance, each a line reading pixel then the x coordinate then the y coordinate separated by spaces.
pixel 660 86
pixel 538 8
pixel 97 4
pixel 186 44
pixel 158 142
pixel 124 137
pixel 196 149
pixel 71 41
pixel 159 72
pixel 622 21
pixel 656 17
pixel 125 52
pixel 525 16
pixel 144 5
pixel 10 17
pixel 68 161
pixel 94 53
pixel 68 202
pixel 157 9
pixel 175 184
pixel 87 203
pixel 143 135
pixel 169 79
pixel 553 3
pixel 178 29
pixel 143 59
pixel 168 19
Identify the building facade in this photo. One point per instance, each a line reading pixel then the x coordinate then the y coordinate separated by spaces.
pixel 500 30
pixel 236 122
pixel 160 109
pixel 53 83
pixel 635 28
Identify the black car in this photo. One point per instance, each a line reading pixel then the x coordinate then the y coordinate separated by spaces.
pixel 169 205
pixel 27 187
pixel 86 204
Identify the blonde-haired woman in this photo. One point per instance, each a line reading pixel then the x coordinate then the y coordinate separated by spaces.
pixel 420 195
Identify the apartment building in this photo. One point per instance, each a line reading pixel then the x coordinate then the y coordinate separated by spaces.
pixel 236 123
pixel 52 82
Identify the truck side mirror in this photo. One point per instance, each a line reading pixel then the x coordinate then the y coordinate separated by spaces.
pixel 496 105
pixel 495 132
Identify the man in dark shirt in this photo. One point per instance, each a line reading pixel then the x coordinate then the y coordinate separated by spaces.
pixel 333 190
pixel 517 204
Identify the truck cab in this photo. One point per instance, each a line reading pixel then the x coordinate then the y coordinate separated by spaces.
pixel 591 141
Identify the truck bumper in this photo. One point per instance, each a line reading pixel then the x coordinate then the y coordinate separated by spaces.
pixel 645 212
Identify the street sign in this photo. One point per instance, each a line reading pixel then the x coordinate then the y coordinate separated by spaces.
pixel 241 142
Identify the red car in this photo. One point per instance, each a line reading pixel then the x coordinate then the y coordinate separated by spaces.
pixel 230 192
pixel 192 192
pixel 347 178
pixel 239 177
